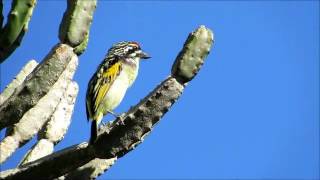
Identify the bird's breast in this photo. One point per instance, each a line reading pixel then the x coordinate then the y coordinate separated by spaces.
pixel 131 71
pixel 119 87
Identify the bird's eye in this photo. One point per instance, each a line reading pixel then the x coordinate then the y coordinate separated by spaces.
pixel 131 49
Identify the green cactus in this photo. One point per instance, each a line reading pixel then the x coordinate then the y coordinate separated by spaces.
pixel 6 52
pixel 81 47
pixel 76 21
pixel 12 33
pixel 192 56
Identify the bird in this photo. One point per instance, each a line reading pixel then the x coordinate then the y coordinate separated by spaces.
pixel 108 85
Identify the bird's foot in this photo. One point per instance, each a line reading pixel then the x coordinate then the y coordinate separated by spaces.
pixel 103 123
pixel 106 123
pixel 114 114
pixel 120 117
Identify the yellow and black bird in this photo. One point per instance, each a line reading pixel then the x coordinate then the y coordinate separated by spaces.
pixel 110 82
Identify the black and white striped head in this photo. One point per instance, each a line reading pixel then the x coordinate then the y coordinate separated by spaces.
pixel 127 50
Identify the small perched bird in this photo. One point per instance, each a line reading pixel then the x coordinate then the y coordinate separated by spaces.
pixel 110 82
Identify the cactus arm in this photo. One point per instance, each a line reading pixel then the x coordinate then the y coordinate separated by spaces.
pixel 18 80
pixel 139 121
pixel 55 128
pixel 35 118
pixel 7 51
pixel 81 47
pixel 12 33
pixel 76 21
pixel 123 135
pixel 37 85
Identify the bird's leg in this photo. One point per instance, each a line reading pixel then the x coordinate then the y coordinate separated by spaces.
pixel 120 117
pixel 103 123
pixel 114 114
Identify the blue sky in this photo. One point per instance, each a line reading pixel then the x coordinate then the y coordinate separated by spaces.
pixel 252 111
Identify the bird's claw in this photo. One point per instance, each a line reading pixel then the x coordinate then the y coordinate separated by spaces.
pixel 103 123
pixel 121 118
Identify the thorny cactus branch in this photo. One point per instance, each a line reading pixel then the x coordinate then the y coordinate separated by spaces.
pixel 36 85
pixel 26 70
pixel 123 135
pixel 52 166
pixel 46 74
pixel 92 169
pixel 6 52
pixel 13 32
pixel 76 21
pixel 56 127
pixel 186 66
pixel 59 122
pixel 29 103
pixel 34 119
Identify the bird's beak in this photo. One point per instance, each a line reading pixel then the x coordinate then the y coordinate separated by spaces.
pixel 144 55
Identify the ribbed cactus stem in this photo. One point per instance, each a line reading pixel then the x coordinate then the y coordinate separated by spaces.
pixel 34 119
pixel 17 81
pixel 193 54
pixel 37 85
pixel 91 170
pixel 123 134
pixel 56 127
pixel 76 21
pixel 81 47
pixel 12 33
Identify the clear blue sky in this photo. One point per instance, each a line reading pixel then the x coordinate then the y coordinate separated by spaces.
pixel 252 111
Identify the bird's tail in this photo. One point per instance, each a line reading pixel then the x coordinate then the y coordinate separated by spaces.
pixel 94 132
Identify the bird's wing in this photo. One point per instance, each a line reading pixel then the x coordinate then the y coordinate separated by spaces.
pixel 100 86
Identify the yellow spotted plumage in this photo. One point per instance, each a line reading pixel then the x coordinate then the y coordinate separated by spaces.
pixel 108 78
pixel 113 77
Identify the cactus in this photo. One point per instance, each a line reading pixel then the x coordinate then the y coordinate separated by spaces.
pixel 43 102
pixel 18 80
pixel 24 130
pixel 123 134
pixel 76 21
pixel 81 47
pixel 40 96
pixel 195 50
pixel 12 33
pixel 55 128
pixel 37 85
pixel 6 52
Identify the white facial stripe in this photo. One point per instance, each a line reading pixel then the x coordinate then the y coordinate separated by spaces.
pixel 133 55
pixel 129 48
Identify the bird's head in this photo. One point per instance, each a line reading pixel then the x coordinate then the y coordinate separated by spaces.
pixel 128 51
